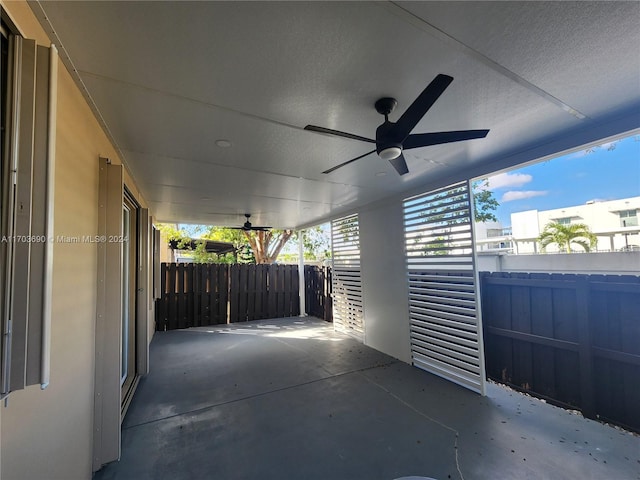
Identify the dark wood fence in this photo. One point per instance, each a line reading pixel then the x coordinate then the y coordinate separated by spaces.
pixel 263 291
pixel 318 292
pixel 195 295
pixel 571 339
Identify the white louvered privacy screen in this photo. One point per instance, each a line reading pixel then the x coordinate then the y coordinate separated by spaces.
pixel 446 332
pixel 348 314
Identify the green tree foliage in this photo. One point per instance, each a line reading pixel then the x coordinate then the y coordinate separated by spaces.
pixel 484 203
pixel 251 246
pixel 171 232
pixel 316 243
pixel 566 235
pixel 184 235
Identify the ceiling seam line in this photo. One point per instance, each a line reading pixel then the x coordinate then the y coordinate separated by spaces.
pixel 425 26
pixel 256 196
pixel 192 100
pixel 266 172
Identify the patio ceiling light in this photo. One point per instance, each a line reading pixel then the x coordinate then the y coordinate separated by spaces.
pixel 390 153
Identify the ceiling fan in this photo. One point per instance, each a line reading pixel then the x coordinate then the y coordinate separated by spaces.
pixel 392 138
pixel 248 227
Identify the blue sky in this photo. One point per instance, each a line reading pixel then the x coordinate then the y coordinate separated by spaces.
pixel 609 172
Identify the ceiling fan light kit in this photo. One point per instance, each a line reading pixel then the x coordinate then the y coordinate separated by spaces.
pixel 390 153
pixel 392 138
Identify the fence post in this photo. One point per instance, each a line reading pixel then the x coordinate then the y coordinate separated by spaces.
pixel 585 358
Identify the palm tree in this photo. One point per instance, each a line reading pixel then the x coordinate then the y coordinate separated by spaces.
pixel 565 235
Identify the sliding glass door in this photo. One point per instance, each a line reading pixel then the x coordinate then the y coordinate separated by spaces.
pixel 129 288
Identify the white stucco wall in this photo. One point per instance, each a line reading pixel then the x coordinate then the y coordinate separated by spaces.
pixel 384 280
pixel 612 263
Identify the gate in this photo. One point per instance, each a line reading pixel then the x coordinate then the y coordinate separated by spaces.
pixel 318 292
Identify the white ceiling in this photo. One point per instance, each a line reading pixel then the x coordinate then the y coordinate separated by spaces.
pixel 168 79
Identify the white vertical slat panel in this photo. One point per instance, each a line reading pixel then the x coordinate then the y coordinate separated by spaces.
pixel 348 308
pixel 445 322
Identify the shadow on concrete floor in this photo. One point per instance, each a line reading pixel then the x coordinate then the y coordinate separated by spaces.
pixel 291 399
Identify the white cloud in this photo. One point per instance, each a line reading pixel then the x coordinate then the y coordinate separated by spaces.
pixel 512 195
pixel 503 180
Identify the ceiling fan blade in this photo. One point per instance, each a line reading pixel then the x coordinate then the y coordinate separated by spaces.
pixel 400 165
pixel 348 162
pixel 328 131
pixel 420 106
pixel 427 139
pixel 250 228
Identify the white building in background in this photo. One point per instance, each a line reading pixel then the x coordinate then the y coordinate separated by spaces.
pixel 614 222
pixel 493 237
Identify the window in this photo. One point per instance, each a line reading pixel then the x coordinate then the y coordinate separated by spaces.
pixel 563 220
pixel 628 218
pixel 26 196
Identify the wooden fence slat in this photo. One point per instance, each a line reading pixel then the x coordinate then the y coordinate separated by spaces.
pixel 213 294
pixel 260 295
pixel 544 379
pixel 181 294
pixel 162 311
pixel 172 313
pixel 223 293
pixel 585 356
pixel 295 291
pixel 521 322
pixel 242 292
pixel 204 274
pixel 252 312
pixel 189 297
pixel 281 275
pixel 234 294
pixel 287 309
pixel 272 295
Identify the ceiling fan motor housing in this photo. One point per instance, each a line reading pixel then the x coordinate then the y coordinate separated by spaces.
pixel 387 146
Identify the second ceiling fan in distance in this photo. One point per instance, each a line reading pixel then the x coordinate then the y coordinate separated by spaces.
pixel 393 138
pixel 247 227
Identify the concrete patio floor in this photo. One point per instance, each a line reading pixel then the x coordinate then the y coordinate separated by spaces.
pixel 291 399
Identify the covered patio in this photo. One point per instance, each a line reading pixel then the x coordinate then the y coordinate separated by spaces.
pixel 291 398
pixel 120 116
